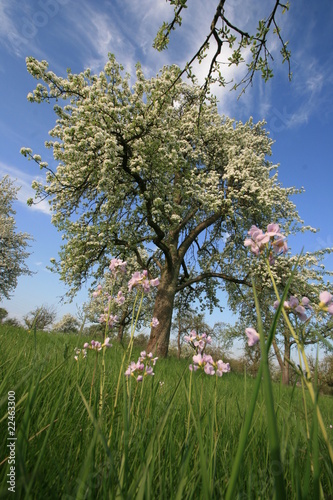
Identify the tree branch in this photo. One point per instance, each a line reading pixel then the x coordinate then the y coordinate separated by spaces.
pixel 211 274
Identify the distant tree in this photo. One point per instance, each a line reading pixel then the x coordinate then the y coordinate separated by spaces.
pixel 13 244
pixel 250 47
pixel 137 171
pixel 68 324
pixel 11 322
pixel 3 314
pixel 41 317
pixel 187 319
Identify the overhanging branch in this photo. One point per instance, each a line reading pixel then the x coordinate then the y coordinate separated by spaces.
pixel 211 274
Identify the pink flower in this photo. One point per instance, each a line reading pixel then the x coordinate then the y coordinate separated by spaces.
pixel 209 369
pixel 111 319
pixel 253 336
pixel 294 306
pixel 143 367
pixel 198 342
pixel 107 342
pixel 197 359
pixel 98 291
pixel 259 240
pixel 154 322
pixel 326 302
pixel 222 368
pixel 206 362
pixel 116 264
pixel 149 370
pixel 120 298
pixel 154 282
pixel 141 279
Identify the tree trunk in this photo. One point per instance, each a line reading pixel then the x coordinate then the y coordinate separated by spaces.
pixel 283 363
pixel 160 335
pixel 120 332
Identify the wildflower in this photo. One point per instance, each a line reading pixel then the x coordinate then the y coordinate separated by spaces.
pixel 154 322
pixel 141 279
pixel 209 366
pixel 108 318
pixel 142 368
pixel 293 305
pixel 153 360
pixel 154 282
pixel 80 353
pixel 222 368
pixel 259 240
pixel 120 298
pixel 198 342
pixel 98 291
pixel 326 302
pixel 209 369
pixel 116 264
pixel 253 336
pixel 97 346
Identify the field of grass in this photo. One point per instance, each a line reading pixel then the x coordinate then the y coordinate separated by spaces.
pixel 173 436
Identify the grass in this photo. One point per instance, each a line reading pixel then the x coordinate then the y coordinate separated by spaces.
pixel 174 436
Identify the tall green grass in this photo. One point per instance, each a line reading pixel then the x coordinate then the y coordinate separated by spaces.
pixel 176 435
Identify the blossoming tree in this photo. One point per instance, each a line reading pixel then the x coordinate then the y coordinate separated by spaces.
pixel 135 169
pixel 309 278
pixel 13 244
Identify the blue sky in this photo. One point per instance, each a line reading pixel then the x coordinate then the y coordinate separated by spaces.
pixel 69 33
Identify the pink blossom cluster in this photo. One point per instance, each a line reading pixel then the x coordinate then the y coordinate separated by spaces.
pixel 204 361
pixel 143 367
pixel 117 265
pixel 80 353
pixel 198 342
pixel 272 239
pixel 154 322
pixel 120 299
pixel 326 302
pixel 253 336
pixel 110 318
pixel 209 366
pixel 93 346
pixel 97 292
pixel 97 346
pixel 141 280
pixel 293 305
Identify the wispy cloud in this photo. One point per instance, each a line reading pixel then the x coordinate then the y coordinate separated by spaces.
pixel 21 23
pixel 23 181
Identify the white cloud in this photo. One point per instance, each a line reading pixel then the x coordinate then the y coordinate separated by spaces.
pixel 23 181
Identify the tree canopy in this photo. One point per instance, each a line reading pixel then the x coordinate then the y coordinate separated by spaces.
pixel 136 170
pixel 13 244
pixel 40 318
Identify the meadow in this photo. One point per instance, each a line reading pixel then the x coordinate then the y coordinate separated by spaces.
pixel 84 430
